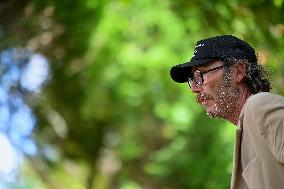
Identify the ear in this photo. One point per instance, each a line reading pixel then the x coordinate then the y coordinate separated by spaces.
pixel 240 72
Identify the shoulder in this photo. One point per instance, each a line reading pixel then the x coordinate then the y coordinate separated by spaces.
pixel 264 118
pixel 260 105
pixel 263 99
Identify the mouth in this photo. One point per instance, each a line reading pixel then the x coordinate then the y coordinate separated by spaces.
pixel 203 99
pixel 204 102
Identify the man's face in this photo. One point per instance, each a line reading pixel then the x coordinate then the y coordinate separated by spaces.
pixel 218 94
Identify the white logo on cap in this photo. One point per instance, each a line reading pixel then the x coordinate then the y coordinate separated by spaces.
pixel 195 50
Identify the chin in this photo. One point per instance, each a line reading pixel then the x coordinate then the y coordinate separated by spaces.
pixel 213 111
pixel 212 115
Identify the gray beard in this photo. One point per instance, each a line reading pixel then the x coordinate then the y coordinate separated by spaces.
pixel 226 99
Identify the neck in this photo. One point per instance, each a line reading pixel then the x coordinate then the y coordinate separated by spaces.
pixel 244 95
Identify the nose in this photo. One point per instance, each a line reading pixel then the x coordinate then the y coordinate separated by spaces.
pixel 195 88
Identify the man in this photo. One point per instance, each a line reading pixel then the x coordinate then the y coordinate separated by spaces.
pixel 230 84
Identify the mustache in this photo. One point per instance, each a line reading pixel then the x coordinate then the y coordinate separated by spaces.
pixel 201 97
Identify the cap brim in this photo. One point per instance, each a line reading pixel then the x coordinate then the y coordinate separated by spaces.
pixel 180 73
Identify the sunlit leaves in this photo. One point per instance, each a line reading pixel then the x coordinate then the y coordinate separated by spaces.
pixel 111 91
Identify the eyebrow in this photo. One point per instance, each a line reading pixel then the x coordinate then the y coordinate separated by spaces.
pixel 204 68
pixel 201 68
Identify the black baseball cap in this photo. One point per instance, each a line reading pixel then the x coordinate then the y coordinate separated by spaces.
pixel 222 47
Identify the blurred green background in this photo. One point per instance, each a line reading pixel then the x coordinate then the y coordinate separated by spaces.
pixel 104 112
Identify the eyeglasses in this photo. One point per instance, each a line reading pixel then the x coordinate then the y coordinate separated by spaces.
pixel 197 75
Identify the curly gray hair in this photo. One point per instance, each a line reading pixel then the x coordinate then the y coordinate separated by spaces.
pixel 257 77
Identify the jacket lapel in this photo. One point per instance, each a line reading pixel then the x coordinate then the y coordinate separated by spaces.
pixel 237 156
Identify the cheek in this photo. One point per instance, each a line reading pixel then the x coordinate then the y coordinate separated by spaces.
pixel 210 90
pixel 212 86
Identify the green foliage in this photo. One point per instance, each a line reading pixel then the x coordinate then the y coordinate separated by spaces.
pixel 129 126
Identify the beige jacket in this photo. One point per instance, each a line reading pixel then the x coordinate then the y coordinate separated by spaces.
pixel 259 147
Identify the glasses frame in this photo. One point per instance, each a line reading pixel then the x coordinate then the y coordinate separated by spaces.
pixel 191 78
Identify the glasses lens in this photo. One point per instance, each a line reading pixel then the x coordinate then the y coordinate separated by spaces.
pixel 198 77
pixel 189 81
